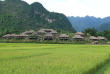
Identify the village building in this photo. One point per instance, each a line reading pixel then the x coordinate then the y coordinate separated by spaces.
pixel 108 43
pixel 93 38
pixel 7 36
pixel 13 35
pixel 30 32
pixel 78 38
pixel 34 37
pixel 64 37
pixel 44 31
pixel 101 38
pixel 22 36
pixel 48 36
pixel 41 32
pixel 96 43
pixel 47 30
pixel 10 36
pixel 53 32
pixel 80 33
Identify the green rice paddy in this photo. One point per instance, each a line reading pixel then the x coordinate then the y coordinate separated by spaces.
pixel 32 58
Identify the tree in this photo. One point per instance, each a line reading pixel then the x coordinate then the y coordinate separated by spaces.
pixel 91 31
pixel 17 16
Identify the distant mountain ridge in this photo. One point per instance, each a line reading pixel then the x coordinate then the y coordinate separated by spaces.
pixel 105 26
pixel 81 23
pixel 18 16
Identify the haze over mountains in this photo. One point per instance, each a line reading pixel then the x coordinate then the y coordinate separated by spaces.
pixel 81 23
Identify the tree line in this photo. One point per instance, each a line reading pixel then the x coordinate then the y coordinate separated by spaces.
pixel 94 32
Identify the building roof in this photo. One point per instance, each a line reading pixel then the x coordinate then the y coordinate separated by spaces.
pixel 44 31
pixel 96 42
pixel 48 35
pixel 13 34
pixel 30 32
pixel 101 38
pixel 53 31
pixel 47 29
pixel 7 35
pixel 93 38
pixel 10 35
pixel 79 33
pixel 41 31
pixel 22 34
pixel 63 35
pixel 78 36
pixel 108 42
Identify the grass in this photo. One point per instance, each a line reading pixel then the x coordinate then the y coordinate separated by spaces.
pixel 31 58
pixel 104 69
pixel 107 71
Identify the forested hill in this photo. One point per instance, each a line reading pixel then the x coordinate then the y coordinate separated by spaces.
pixel 103 27
pixel 18 16
pixel 81 23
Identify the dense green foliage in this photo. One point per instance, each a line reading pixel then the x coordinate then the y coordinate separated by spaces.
pixel 103 27
pixel 90 31
pixel 18 16
pixel 94 32
pixel 105 33
pixel 81 23
pixel 26 58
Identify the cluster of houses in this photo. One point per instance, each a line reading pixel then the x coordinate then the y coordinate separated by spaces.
pixel 96 40
pixel 50 34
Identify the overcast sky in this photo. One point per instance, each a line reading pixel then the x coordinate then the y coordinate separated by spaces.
pixel 97 8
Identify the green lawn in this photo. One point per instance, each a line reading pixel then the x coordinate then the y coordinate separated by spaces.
pixel 31 58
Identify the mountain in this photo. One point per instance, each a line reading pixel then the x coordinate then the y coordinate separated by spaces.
pixel 103 27
pixel 18 16
pixel 81 23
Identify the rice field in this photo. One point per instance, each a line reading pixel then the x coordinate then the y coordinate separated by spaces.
pixel 107 71
pixel 31 58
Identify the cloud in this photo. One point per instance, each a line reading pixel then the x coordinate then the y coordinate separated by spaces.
pixel 98 8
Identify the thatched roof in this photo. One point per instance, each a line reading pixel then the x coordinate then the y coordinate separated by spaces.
pixel 47 29
pixel 10 35
pixel 22 34
pixel 101 38
pixel 41 31
pixel 78 36
pixel 63 35
pixel 30 32
pixel 48 35
pixel 13 34
pixel 96 42
pixel 7 35
pixel 93 38
pixel 79 33
pixel 108 42
pixel 54 32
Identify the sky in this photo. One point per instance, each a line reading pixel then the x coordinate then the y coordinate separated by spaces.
pixel 97 8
